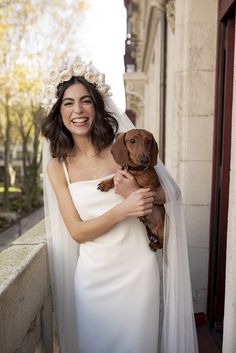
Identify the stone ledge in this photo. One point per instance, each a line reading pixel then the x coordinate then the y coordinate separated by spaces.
pixel 17 257
pixel 25 292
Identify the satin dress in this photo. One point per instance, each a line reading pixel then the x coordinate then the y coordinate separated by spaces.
pixel 116 280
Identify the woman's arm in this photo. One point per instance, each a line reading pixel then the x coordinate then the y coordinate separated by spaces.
pixel 138 204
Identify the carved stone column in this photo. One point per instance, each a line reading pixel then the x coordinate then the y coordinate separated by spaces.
pixel 135 92
pixel 170 14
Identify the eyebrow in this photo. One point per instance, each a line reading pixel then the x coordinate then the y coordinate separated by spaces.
pixel 72 99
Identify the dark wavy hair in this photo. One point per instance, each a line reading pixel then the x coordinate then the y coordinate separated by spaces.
pixel 103 130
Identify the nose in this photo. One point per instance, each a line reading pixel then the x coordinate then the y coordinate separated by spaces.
pixel 78 107
pixel 144 159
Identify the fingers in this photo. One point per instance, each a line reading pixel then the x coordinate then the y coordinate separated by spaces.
pixel 146 210
pixel 117 182
pixel 124 183
pixel 145 202
pixel 117 178
pixel 139 203
pixel 124 173
pixel 143 190
pixel 146 193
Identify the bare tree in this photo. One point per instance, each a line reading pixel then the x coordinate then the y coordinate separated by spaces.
pixel 27 42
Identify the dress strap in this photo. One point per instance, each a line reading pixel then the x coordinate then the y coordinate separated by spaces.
pixel 66 172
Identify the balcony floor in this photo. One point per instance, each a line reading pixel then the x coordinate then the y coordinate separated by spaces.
pixel 206 341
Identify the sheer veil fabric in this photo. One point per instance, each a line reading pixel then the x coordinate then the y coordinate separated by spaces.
pixel 177 325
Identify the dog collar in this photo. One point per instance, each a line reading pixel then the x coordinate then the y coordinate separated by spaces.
pixel 137 169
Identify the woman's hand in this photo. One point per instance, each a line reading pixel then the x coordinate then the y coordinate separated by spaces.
pixel 138 204
pixel 125 183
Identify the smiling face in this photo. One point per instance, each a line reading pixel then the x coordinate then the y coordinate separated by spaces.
pixel 77 110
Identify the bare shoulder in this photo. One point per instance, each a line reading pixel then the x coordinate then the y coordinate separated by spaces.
pixel 55 171
pixel 53 167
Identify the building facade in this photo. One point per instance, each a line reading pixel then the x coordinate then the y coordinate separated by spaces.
pixel 180 85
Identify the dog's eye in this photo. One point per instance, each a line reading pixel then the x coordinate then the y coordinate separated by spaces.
pixel 132 141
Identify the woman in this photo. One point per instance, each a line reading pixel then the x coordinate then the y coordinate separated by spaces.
pixel 116 277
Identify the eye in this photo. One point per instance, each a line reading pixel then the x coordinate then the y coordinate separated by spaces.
pixel 132 141
pixel 148 142
pixel 87 101
pixel 67 104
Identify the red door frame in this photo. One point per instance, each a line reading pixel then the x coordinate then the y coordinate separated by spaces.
pixel 221 162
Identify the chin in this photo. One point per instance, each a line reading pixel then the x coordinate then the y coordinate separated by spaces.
pixel 82 132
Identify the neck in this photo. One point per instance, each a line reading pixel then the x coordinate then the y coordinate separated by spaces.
pixel 84 148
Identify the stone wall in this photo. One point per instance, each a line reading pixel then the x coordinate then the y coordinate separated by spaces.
pixel 191 77
pixel 189 109
pixel 25 295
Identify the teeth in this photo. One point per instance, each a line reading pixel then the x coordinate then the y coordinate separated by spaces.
pixel 79 120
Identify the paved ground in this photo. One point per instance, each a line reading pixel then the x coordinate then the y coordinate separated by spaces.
pixel 12 233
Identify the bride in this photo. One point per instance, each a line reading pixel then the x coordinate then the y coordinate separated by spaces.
pixel 105 279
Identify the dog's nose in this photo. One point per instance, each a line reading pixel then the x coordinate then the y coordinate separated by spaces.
pixel 144 159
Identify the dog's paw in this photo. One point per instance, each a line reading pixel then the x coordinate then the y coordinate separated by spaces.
pixel 155 242
pixel 100 187
pixel 155 246
pixel 103 186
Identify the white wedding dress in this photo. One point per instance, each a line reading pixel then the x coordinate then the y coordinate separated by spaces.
pixel 116 280
pixel 117 277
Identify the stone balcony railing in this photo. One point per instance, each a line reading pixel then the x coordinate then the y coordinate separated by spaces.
pixel 26 323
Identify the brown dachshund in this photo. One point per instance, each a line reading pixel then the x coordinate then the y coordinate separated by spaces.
pixel 136 150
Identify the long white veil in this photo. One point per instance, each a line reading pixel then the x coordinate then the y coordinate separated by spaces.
pixel 177 325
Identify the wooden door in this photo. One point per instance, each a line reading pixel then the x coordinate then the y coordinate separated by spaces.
pixel 221 163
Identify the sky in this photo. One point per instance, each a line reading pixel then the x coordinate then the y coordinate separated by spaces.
pixel 93 29
pixel 103 34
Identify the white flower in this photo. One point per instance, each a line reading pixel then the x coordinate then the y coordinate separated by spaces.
pixel 90 77
pixel 48 103
pixel 92 68
pixel 79 68
pixel 53 101
pixel 46 81
pixel 100 79
pixel 66 70
pixel 77 59
pixel 45 103
pixel 50 92
pixel 54 77
pixel 63 65
pixel 65 75
pixel 104 90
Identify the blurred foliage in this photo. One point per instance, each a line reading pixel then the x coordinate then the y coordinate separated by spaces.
pixel 34 35
pixel 11 189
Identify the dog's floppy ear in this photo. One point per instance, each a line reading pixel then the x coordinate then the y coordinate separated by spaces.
pixel 153 153
pixel 119 150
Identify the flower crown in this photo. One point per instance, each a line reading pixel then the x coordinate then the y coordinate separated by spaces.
pixel 66 70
